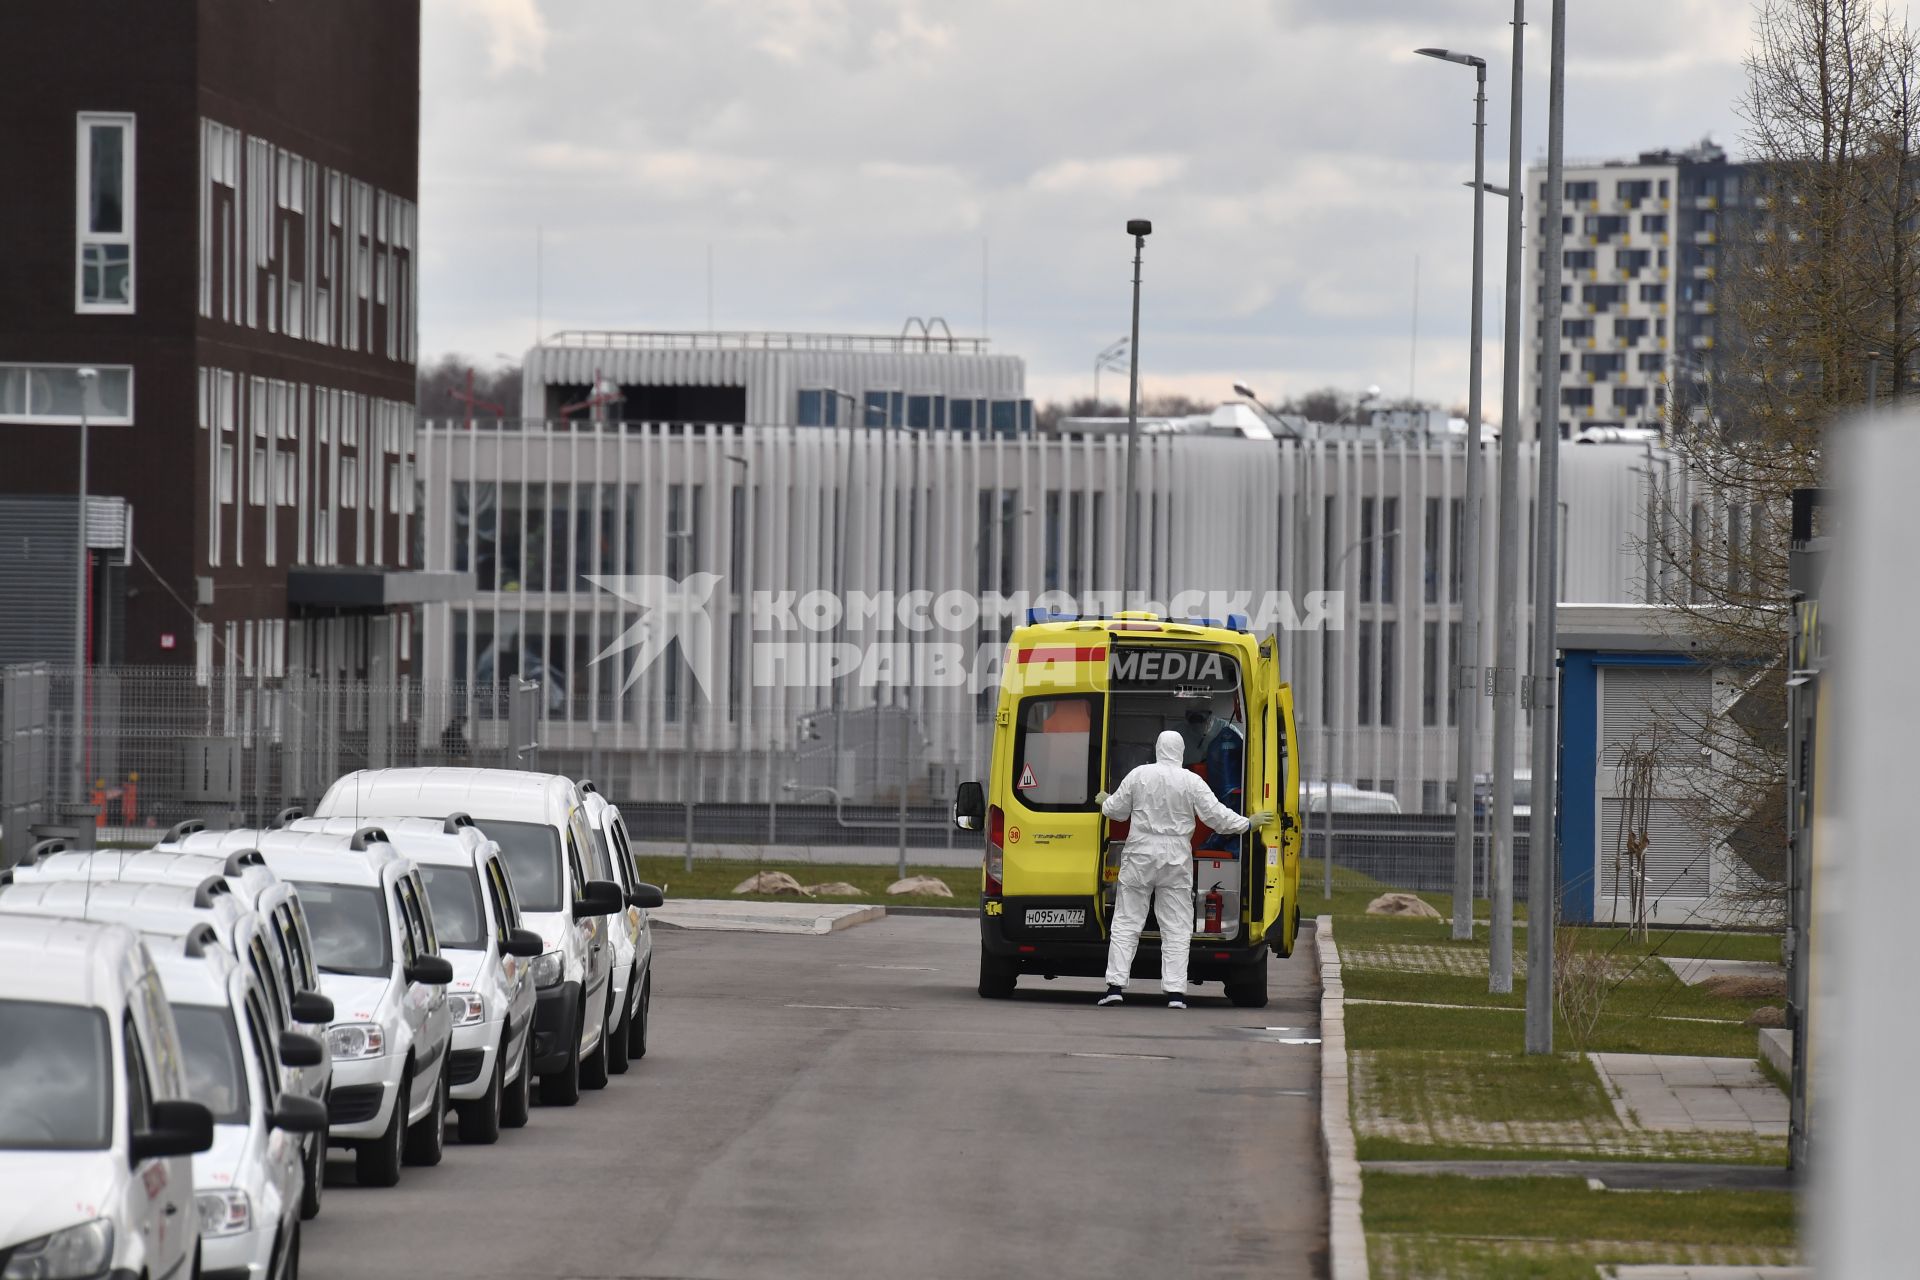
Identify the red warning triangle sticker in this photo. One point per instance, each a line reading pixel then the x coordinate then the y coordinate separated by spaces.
pixel 1027 779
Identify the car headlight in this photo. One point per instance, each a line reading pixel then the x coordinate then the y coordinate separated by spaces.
pixel 548 970
pixel 356 1040
pixel 224 1211
pixel 467 1007
pixel 85 1250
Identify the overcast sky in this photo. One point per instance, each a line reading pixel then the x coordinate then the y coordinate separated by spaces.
pixel 845 161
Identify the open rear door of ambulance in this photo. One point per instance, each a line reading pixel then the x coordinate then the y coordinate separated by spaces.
pixel 1280 795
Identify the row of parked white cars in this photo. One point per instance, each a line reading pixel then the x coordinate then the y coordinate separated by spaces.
pixel 185 1031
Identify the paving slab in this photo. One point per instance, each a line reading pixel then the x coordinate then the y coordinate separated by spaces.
pixel 1694 971
pixel 815 918
pixel 1692 1095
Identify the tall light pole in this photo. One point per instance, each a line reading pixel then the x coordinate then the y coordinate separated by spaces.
pixel 81 592
pixel 1139 229
pixel 1543 900
pixel 1507 563
pixel 1466 671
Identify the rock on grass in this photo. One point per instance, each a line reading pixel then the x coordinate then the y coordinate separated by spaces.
pixel 833 889
pixel 1402 904
pixel 771 882
pixel 928 886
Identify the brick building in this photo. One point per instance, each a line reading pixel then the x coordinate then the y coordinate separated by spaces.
pixel 212 207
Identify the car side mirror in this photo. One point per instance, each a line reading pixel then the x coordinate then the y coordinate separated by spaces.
pixel 296 1114
pixel 176 1128
pixel 435 971
pixel 646 896
pixel 524 943
pixel 970 807
pixel 601 898
pixel 298 1050
pixel 311 1008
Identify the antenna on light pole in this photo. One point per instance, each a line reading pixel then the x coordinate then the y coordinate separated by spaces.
pixel 1139 229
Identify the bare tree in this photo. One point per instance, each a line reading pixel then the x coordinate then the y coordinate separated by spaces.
pixel 440 384
pixel 1819 305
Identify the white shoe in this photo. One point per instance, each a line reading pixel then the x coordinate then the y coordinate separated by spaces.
pixel 1176 1002
pixel 1112 997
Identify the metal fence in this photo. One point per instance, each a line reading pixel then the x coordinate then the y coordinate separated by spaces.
pixel 127 752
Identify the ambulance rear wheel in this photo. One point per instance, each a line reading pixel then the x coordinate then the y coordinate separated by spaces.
pixel 1248 988
pixel 997 976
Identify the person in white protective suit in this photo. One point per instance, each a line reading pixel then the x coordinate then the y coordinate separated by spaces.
pixel 1161 800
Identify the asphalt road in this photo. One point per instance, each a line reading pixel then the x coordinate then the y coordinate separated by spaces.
pixel 846 1106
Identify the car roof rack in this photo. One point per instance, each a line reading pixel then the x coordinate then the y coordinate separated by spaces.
pixel 240 859
pixel 366 836
pixel 181 830
pixel 42 848
pixel 200 939
pixel 292 813
pixel 457 822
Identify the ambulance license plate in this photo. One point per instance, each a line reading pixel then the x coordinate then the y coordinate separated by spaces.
pixel 1056 917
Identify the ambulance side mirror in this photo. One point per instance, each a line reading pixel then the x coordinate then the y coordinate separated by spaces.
pixel 970 807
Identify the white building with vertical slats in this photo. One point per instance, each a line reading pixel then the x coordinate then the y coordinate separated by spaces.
pixel 777 510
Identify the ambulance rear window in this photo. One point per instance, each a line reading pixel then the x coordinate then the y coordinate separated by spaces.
pixel 1056 751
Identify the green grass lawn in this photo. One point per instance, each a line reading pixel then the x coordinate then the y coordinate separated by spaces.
pixel 713 878
pixel 1421 1226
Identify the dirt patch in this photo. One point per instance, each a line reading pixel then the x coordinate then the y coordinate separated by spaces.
pixel 1747 987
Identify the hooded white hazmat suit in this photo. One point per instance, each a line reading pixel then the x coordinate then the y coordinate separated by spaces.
pixel 1161 800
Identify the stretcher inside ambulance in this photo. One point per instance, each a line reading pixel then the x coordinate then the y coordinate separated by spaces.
pixel 1083 703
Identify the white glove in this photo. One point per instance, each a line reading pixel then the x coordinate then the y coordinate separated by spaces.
pixel 1099 798
pixel 1260 818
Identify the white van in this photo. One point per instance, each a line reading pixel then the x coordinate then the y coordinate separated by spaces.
pixel 249 1184
pixel 477 921
pixel 379 961
pixel 96 1130
pixel 278 935
pixel 632 930
pixel 540 826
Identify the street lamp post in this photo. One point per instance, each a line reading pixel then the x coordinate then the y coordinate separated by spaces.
pixel 1139 229
pixel 1543 906
pixel 1467 670
pixel 1507 564
pixel 1337 684
pixel 81 592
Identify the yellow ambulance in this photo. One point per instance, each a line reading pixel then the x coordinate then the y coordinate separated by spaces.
pixel 1082 702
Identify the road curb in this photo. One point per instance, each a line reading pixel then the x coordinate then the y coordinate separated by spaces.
pixel 1346 1237
pixel 961 912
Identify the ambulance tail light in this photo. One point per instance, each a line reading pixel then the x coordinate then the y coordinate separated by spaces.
pixel 996 858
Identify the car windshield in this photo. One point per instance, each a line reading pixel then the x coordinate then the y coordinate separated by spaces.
pixel 454 895
pixel 215 1076
pixel 532 851
pixel 349 928
pixel 55 1091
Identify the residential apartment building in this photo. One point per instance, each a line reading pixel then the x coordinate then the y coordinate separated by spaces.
pixel 212 206
pixel 1640 283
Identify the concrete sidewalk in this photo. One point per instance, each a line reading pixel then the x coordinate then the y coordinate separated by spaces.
pixel 1692 1095
pixel 813 918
